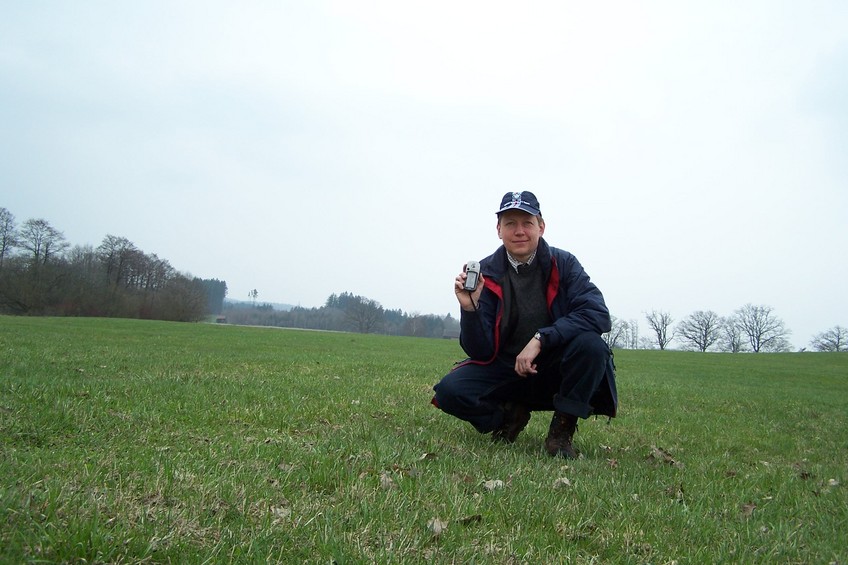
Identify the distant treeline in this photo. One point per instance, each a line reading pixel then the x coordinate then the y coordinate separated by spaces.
pixel 344 312
pixel 42 274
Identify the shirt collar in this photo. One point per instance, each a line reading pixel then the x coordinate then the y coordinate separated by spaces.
pixel 515 262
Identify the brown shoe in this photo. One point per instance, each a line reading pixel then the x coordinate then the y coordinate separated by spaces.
pixel 560 436
pixel 515 420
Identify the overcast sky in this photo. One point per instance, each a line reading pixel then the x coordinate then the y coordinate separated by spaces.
pixel 692 155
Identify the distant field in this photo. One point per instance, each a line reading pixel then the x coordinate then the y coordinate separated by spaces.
pixel 134 441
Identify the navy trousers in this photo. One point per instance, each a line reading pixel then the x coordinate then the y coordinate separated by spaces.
pixel 566 380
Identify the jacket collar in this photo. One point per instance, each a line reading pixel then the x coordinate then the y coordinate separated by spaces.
pixel 499 262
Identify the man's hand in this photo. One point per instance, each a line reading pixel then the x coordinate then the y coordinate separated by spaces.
pixel 467 301
pixel 524 364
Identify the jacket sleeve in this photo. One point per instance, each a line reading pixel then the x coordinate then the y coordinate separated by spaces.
pixel 578 306
pixel 478 329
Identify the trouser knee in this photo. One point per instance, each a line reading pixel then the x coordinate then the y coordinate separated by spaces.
pixel 588 346
pixel 448 393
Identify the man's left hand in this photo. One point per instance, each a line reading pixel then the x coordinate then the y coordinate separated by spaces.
pixel 524 363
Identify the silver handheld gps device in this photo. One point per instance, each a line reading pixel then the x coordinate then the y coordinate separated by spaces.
pixel 472 271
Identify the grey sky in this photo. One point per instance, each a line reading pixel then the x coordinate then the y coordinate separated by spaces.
pixel 692 155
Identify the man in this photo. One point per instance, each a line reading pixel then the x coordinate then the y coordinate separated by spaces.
pixel 532 331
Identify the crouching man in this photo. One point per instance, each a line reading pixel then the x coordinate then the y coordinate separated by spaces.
pixel 532 331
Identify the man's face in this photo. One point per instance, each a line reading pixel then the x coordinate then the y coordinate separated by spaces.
pixel 520 233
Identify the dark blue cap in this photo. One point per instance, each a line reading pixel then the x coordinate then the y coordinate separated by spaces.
pixel 524 201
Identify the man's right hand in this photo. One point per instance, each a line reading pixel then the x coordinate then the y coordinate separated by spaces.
pixel 467 301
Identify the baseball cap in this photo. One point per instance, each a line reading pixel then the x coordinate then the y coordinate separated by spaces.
pixel 525 201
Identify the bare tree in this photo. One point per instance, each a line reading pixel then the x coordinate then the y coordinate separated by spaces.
pixel 8 239
pixel 701 329
pixel 42 240
pixel 364 315
pixel 660 323
pixel 765 332
pixel 116 254
pixel 161 272
pixel 834 339
pixel 619 334
pixel 414 325
pixel 633 337
pixel 731 338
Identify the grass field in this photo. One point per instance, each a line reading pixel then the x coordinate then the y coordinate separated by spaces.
pixel 134 441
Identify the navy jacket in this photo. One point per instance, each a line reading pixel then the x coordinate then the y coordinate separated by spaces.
pixel 574 302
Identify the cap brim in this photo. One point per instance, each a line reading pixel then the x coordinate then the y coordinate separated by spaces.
pixel 523 207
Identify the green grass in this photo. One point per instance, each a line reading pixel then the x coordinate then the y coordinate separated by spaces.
pixel 131 441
